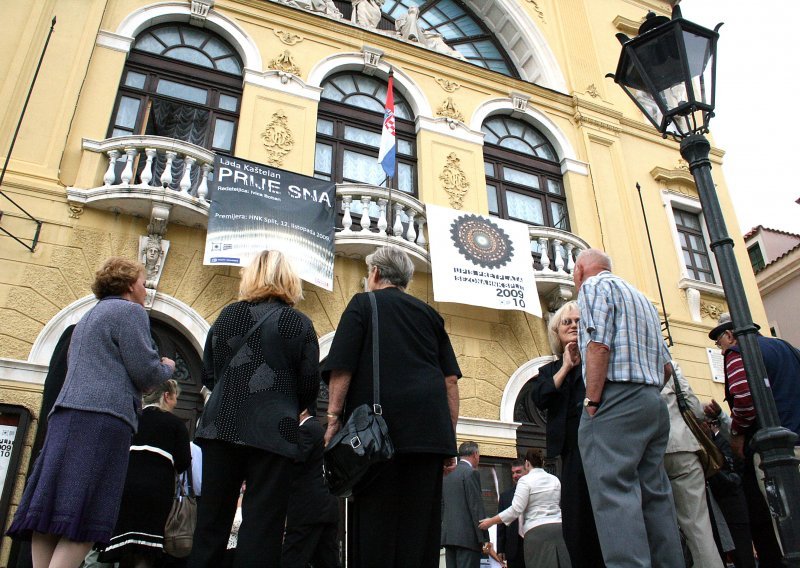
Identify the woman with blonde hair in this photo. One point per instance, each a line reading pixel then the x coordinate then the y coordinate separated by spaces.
pixel 159 451
pixel 261 363
pixel 73 494
pixel 559 389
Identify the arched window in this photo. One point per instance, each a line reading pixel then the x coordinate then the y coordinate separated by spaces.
pixel 523 176
pixel 349 126
pixel 180 82
pixel 459 29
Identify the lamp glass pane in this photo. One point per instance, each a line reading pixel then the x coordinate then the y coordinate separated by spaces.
pixel 701 64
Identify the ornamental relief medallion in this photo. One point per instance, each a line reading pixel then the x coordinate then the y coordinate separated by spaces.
pixel 285 62
pixel 711 311
pixel 277 139
pixel 454 181
pixel 448 110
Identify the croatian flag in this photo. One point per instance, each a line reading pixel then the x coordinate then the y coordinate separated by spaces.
pixel 388 150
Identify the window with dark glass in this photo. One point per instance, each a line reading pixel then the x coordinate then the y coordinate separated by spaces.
pixel 756 257
pixel 180 82
pixel 349 123
pixel 523 176
pixel 693 245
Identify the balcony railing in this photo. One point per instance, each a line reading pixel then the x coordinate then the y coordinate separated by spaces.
pixel 129 174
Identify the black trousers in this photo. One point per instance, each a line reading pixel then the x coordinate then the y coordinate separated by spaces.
pixel 397 517
pixel 577 518
pixel 311 544
pixel 268 476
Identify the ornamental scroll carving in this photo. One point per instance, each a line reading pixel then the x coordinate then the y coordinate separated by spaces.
pixel 277 138
pixel 448 110
pixel 285 62
pixel 454 181
pixel 447 85
pixel 287 37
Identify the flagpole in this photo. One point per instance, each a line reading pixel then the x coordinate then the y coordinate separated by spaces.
pixel 387 155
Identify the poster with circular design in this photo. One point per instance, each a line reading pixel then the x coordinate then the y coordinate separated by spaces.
pixel 481 241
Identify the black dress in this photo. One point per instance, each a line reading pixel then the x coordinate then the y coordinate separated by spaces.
pixel 149 487
pixel 564 406
pixel 396 517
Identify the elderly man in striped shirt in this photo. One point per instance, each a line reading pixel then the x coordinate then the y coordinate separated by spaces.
pixel 625 424
pixel 782 363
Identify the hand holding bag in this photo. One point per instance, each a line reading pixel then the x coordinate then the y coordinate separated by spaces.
pixel 364 438
pixel 179 530
pixel 710 457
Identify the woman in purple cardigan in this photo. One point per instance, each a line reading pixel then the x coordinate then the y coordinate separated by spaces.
pixel 73 494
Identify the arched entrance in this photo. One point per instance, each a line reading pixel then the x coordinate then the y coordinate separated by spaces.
pixel 188 371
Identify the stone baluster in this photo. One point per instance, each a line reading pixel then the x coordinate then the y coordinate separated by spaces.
pixel 421 241
pixel 570 258
pixel 347 220
pixel 110 176
pixel 202 187
pixel 545 259
pixel 186 179
pixel 397 228
pixel 147 172
pixel 127 171
pixel 365 220
pixel 382 222
pixel 411 234
pixel 166 176
pixel 559 260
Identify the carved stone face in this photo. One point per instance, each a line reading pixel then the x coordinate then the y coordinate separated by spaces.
pixel 152 251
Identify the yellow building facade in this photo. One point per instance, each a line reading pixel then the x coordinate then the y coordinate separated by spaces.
pixel 98 164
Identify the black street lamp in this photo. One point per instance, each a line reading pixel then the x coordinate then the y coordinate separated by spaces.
pixel 668 70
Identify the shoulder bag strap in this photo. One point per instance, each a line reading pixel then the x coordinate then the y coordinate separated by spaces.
pixel 376 362
pixel 679 396
pixel 241 343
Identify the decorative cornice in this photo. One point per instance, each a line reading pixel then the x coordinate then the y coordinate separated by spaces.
pixel 114 41
pixel 581 119
pixel 627 26
pixel 705 287
pixel 676 176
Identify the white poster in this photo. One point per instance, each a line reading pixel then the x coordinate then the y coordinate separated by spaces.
pixel 717 364
pixel 7 435
pixel 481 261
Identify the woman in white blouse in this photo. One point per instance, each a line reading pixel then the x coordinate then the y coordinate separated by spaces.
pixel 535 503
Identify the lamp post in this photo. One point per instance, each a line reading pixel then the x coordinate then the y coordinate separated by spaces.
pixel 669 70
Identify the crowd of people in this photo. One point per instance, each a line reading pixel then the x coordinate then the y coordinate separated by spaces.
pixel 631 491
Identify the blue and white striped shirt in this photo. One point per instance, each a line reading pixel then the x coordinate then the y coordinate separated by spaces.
pixel 617 315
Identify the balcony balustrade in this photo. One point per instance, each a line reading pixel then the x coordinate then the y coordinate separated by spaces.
pixel 132 174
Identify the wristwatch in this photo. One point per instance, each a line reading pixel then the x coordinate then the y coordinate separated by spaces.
pixel 587 402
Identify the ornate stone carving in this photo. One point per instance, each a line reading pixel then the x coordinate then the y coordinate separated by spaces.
pixel 153 250
pixel 711 310
pixel 326 7
pixel 75 210
pixel 448 110
pixel 285 63
pixel 199 11
pixel 583 119
pixel 559 296
pixel 449 86
pixel 277 138
pixel 408 28
pixel 591 90
pixel 454 181
pixel 372 58
pixel 287 37
pixel 682 165
pixel 366 13
pixel 519 101
pixel 538 10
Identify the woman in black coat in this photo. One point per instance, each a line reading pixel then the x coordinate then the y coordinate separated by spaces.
pixel 559 389
pixel 248 432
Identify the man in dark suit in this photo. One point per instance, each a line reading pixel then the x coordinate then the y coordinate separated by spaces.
pixel 509 543
pixel 313 513
pixel 463 509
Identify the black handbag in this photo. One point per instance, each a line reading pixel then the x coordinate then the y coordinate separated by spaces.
pixel 364 439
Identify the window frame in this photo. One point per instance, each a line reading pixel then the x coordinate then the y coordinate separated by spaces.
pixel 544 169
pixel 694 271
pixel 157 67
pixel 343 115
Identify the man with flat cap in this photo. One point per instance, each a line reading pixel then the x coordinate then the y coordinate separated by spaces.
pixel 782 362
